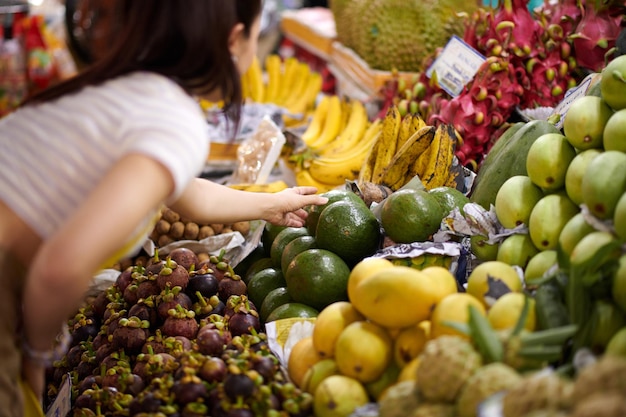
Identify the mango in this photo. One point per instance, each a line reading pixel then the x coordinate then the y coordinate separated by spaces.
pixel 538 265
pixel 517 249
pixel 364 350
pixel 482 250
pixel 329 324
pixel 573 231
pixel 614 138
pixel 491 280
pixel 548 218
pixel 592 246
pixel 619 218
pixel 548 159
pixel 618 289
pixel 613 83
pixel 575 172
pixel 584 122
pixel 515 200
pixel 339 396
pixel 604 182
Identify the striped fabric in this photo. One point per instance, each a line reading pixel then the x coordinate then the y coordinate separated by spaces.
pixel 53 155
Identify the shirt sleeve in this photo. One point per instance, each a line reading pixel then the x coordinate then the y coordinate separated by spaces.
pixel 178 138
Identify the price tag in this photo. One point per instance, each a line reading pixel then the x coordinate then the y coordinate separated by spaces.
pixel 572 94
pixel 63 403
pixel 456 66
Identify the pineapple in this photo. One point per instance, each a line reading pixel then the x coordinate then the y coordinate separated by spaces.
pixel 485 382
pixel 446 364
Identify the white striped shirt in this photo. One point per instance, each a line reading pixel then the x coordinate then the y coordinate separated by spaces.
pixel 52 155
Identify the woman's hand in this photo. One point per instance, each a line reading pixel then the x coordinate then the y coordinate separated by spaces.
pixel 289 209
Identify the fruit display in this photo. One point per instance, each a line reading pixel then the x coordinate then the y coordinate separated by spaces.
pixel 533 58
pixel 171 227
pixel 176 337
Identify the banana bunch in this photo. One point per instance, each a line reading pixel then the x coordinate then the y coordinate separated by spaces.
pixel 290 84
pixel 337 140
pixel 408 147
pixel 270 187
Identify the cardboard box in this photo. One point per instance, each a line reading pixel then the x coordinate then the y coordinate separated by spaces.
pixel 311 28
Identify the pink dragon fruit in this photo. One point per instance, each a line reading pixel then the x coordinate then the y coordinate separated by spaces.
pixel 595 36
pixel 482 108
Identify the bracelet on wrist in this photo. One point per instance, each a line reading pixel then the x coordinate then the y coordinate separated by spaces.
pixel 46 358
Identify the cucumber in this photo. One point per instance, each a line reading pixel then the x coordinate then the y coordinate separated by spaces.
pixel 506 159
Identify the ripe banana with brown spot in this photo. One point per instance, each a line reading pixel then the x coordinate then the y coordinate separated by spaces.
pixel 332 124
pixel 351 134
pixel 440 161
pixel 389 138
pixel 411 123
pixel 402 167
pixel 314 129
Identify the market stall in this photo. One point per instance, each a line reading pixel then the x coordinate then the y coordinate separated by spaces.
pixel 471 258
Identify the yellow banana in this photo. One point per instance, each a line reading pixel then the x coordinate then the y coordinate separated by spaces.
pixel 273 65
pixel 304 178
pixel 440 162
pixel 402 166
pixel 301 79
pixel 337 170
pixel 316 125
pixel 255 80
pixel 290 67
pixel 332 124
pixel 351 134
pixel 271 187
pixel 386 150
pixel 308 96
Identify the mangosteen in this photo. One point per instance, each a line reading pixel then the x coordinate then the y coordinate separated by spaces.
pixel 144 310
pixel 103 351
pixel 185 257
pixel 100 303
pixel 244 323
pixel 210 341
pixel 124 278
pixel 89 382
pixel 180 322
pixel 182 343
pixel 86 400
pixel 172 275
pixel 240 412
pixel 219 308
pixel 189 389
pixel 219 265
pixel 84 369
pixel 123 380
pixel 169 299
pixel 231 285
pixel 130 335
pixel 213 370
pixel 145 402
pixel 73 356
pixel 204 283
pixel 204 307
pixel 266 366
pixel 100 339
pixel 130 294
pixel 195 409
pixel 238 385
pixel 154 265
pixel 147 287
pixel 84 328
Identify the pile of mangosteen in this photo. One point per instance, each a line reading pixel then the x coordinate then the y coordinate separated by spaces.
pixel 174 338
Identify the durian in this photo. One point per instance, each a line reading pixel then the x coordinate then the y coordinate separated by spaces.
pixel 543 390
pixel 399 398
pixel 606 375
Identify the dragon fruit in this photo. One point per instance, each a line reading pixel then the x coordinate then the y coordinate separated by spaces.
pixel 482 108
pixel 595 36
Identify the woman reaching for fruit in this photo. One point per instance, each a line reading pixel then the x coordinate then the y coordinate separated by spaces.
pixel 86 165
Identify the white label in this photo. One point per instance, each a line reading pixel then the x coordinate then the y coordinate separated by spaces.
pixel 63 403
pixel 456 66
pixel 572 95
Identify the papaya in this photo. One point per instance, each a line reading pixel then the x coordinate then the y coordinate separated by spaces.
pixel 506 158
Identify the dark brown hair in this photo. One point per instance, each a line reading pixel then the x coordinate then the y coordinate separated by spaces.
pixel 186 41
